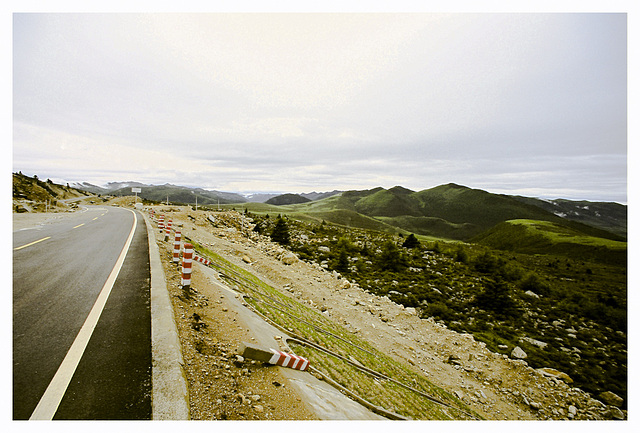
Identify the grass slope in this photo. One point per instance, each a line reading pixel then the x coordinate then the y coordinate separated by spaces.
pixel 544 237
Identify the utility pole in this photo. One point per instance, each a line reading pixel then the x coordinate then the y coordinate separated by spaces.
pixel 196 202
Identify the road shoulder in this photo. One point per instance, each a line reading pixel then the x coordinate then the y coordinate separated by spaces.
pixel 170 396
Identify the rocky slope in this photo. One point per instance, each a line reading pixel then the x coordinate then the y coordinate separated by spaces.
pixel 494 386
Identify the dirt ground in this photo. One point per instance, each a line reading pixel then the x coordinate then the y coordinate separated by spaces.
pixel 493 385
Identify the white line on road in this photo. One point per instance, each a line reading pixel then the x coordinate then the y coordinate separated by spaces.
pixel 50 400
pixel 32 243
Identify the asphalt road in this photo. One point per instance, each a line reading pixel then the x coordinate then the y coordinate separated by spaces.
pixel 61 271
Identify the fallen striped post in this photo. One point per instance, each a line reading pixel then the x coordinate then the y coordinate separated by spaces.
pixel 176 248
pixel 186 266
pixel 273 356
pixel 202 260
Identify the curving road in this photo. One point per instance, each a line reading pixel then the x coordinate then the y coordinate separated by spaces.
pixel 81 317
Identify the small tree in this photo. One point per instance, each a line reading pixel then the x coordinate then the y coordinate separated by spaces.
pixel 280 232
pixel 411 242
pixel 390 258
pixel 496 297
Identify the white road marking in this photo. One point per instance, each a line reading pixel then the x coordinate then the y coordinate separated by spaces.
pixel 50 400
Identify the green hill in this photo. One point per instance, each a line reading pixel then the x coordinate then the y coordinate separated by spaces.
pixel 544 237
pixel 285 199
pixel 448 211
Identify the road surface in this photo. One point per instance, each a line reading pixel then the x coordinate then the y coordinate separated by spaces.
pixel 81 317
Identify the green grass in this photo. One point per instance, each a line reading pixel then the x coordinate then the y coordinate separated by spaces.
pixel 556 234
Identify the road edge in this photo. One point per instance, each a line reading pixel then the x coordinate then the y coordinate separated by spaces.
pixel 170 395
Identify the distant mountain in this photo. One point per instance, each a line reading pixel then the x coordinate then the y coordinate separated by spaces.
pixel 259 197
pixel 286 199
pixel 605 215
pixel 319 195
pixel 182 195
pixel 264 197
pixel 160 193
pixel 86 186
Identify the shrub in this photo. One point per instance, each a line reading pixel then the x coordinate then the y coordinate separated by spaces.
pixel 496 297
pixel 280 232
pixel 411 242
pixel 532 282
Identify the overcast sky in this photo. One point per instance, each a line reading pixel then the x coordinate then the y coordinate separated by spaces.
pixel 531 104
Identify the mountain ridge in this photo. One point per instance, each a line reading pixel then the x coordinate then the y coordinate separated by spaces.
pixel 449 210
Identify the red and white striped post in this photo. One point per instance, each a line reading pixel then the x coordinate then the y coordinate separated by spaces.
pixel 176 248
pixel 273 356
pixel 167 231
pixel 161 223
pixel 186 266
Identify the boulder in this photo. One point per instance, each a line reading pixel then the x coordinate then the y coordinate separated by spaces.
pixel 551 372
pixel 345 284
pixel 518 353
pixel 289 258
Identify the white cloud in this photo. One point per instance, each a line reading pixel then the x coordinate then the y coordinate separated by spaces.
pixel 290 101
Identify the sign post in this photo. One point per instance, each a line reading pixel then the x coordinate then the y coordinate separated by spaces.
pixel 136 190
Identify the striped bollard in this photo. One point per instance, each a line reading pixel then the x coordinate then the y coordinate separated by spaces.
pixel 272 356
pixel 176 248
pixel 167 231
pixel 202 260
pixel 161 223
pixel 186 266
pixel 288 360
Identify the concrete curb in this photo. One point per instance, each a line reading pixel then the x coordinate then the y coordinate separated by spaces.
pixel 170 395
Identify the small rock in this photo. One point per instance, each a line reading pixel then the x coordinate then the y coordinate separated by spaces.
pixel 551 372
pixel 573 411
pixel 518 353
pixel 614 413
pixel 454 359
pixel 289 258
pixel 258 408
pixel 611 398
pixel 246 259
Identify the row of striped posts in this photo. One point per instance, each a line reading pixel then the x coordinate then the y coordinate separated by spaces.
pixel 270 356
pixel 187 255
